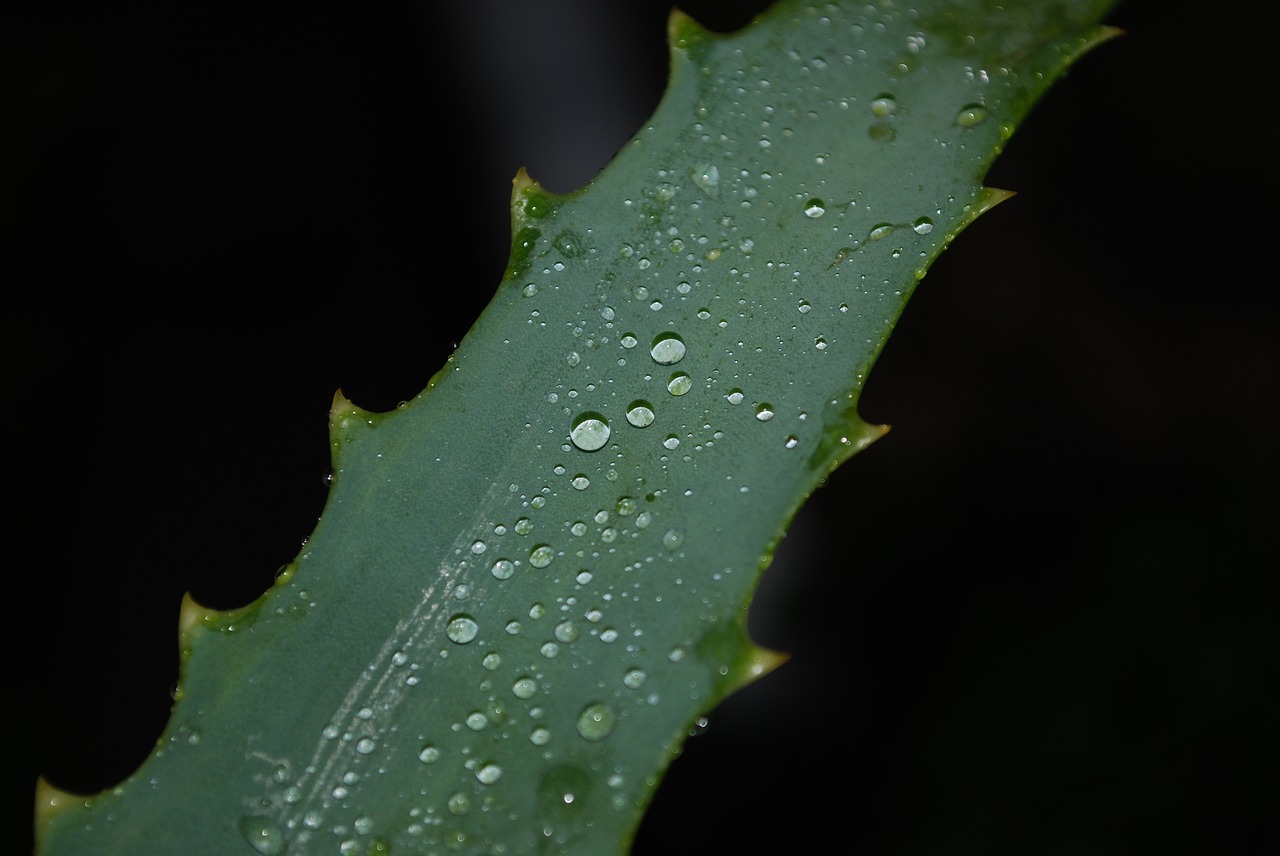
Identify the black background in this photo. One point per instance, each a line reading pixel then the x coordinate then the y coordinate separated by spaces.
pixel 1040 616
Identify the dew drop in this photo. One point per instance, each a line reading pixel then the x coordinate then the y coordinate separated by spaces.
pixel 815 208
pixel 264 836
pixel 459 804
pixel 879 231
pixel 462 629
pixel 503 569
pixel 524 688
pixel 492 661
pixel 629 340
pixel 792 441
pixel 366 746
pixel 640 413
pixel 596 722
pixel 667 349
pixel 735 396
pixel 971 115
pixel 820 343
pixel 580 482
pixel 764 412
pixel 488 774
pixel 478 547
pixel 524 526
pixel 883 105
pixel 566 631
pixel 922 226
pixel 541 556
pixel 672 539
pixel 671 443
pixel 635 678
pixel 540 736
pixel 590 432
pixel 707 177
pixel 477 721
pixel 679 383
pixel 626 506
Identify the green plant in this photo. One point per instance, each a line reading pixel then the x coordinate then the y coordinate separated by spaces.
pixel 670 366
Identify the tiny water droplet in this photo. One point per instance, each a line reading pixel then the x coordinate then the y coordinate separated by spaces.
pixel 764 412
pixel 462 629
pixel 667 349
pixel 596 721
pixel 541 556
pixel 815 208
pixel 590 432
pixel 679 383
pixel 640 413
pixel 971 115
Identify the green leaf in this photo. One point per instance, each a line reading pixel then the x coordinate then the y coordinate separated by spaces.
pixel 531 579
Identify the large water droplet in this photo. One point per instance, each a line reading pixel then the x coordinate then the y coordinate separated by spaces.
pixel 488 773
pixel 429 754
pixel 590 432
pixel 883 105
pixel 971 114
pixel 881 230
pixel 679 383
pixel 596 721
pixel 462 629
pixel 263 835
pixel 640 413
pixel 541 556
pixel 922 226
pixel 667 349
pixel 503 569
pixel 524 688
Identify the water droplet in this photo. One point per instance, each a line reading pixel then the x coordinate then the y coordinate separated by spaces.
pixel 596 721
pixel 541 556
pixel 525 688
pixel 640 414
pixel 478 547
pixel 815 208
pixel 540 736
pixel 492 661
pixel 820 343
pixel 804 307
pixel 459 804
pixel 792 441
pixel 462 629
pixel 667 349
pixel 671 443
pixel 629 340
pixel 883 105
pixel 764 412
pixel 971 114
pixel 530 290
pixel 735 396
pixel 590 432
pixel 707 177
pixel 879 231
pixel 477 721
pixel 262 835
pixel 626 506
pixel 672 539
pixel 363 825
pixel 523 526
pixel 488 773
pixel 503 569
pixel 366 746
pixel 550 650
pixel 922 226
pixel 635 678
pixel 566 631
pixel 679 383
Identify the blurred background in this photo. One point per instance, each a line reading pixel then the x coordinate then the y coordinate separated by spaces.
pixel 1040 616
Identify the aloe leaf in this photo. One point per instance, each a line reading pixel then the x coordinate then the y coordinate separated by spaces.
pixel 530 579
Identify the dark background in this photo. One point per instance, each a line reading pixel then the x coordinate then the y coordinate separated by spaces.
pixel 1040 616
